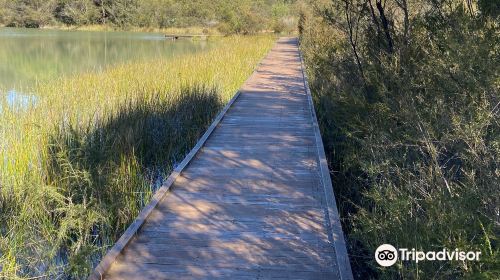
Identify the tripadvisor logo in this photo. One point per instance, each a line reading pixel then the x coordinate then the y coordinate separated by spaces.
pixel 387 255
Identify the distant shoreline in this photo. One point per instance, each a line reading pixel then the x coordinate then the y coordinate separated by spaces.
pixel 193 30
pixel 171 30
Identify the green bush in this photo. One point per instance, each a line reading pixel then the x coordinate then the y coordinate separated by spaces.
pixel 409 116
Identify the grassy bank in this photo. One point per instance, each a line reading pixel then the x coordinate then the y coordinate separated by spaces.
pixel 77 166
pixel 408 104
pixel 196 30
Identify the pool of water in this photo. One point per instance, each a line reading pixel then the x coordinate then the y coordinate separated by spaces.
pixel 28 56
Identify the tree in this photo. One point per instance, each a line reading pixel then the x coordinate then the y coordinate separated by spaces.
pixel 241 16
pixel 28 13
pixel 76 12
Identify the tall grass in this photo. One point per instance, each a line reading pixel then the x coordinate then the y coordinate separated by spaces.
pixel 77 166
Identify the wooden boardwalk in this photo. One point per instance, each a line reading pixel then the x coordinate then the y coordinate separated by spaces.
pixel 253 200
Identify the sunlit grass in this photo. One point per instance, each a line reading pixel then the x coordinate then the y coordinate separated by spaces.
pixel 77 167
pixel 196 30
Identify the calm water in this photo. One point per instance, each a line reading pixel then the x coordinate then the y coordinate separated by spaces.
pixel 31 55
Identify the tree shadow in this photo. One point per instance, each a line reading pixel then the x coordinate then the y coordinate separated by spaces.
pixel 112 165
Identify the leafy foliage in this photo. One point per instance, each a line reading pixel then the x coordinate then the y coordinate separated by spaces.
pixel 407 96
pixel 242 16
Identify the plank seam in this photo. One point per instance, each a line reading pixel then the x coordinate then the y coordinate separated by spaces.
pixel 341 255
pixel 111 256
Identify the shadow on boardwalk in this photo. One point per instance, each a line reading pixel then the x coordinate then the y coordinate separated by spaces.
pixel 109 165
pixel 250 204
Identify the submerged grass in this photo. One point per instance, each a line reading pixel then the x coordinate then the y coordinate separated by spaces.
pixel 78 166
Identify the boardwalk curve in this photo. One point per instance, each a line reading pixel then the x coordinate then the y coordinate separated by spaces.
pixel 252 200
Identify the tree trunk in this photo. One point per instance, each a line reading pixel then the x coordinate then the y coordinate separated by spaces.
pixel 385 25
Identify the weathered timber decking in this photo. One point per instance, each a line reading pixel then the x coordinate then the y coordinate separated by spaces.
pixel 253 200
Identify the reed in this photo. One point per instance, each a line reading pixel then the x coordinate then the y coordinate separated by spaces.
pixel 77 165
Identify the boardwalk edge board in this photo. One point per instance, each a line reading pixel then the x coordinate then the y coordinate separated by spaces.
pixel 134 227
pixel 341 254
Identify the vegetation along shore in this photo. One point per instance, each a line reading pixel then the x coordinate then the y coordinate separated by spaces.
pixel 184 16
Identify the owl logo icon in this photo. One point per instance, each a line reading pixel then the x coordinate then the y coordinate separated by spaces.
pixel 386 255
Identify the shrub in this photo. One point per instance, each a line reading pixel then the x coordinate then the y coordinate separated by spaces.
pixel 409 116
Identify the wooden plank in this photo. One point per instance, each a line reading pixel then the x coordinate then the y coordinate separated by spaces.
pixel 256 168
pixel 263 153
pixel 158 245
pixel 162 272
pixel 282 126
pixel 230 230
pixel 248 186
pixel 236 211
pixel 276 148
pixel 275 176
pixel 210 260
pixel 275 137
pixel 210 257
pixel 235 130
pixel 267 156
pixel 299 174
pixel 222 197
pixel 254 162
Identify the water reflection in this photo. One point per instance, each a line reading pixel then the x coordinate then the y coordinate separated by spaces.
pixel 28 56
pixel 17 101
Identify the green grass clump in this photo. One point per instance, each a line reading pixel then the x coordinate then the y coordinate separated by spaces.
pixel 77 167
